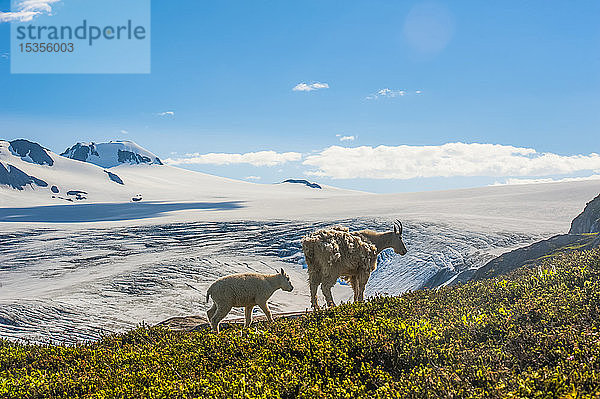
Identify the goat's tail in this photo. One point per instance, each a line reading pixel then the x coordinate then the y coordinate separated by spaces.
pixel 309 253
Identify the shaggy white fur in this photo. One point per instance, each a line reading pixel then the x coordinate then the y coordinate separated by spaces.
pixel 244 290
pixel 337 252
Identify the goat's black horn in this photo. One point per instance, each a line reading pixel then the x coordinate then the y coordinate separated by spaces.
pixel 399 226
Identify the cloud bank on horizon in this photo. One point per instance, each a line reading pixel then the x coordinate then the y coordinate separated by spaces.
pixel 512 181
pixel 260 158
pixel 447 160
pixel 409 162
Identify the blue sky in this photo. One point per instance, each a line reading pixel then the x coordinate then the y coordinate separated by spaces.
pixel 517 74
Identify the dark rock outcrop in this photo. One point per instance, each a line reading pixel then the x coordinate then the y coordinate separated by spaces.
pixel 79 195
pixel 80 152
pixel 132 157
pixel 17 179
pixel 114 177
pixel 39 182
pixel 305 182
pixel 13 177
pixel 588 221
pixel 75 192
pixel 26 148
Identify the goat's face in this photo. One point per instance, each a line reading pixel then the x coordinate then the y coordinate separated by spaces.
pixel 397 243
pixel 286 285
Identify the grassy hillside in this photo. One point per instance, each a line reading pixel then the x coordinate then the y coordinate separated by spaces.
pixel 533 333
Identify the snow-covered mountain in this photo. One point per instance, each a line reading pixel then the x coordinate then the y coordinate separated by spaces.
pixel 32 173
pixel 120 172
pixel 111 154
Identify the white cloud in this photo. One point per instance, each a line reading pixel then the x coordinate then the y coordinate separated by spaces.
pixel 452 159
pixel 26 10
pixel 389 93
pixel 124 132
pixel 513 181
pixel 310 87
pixel 260 158
pixel 347 138
pixel 252 177
pixel 166 113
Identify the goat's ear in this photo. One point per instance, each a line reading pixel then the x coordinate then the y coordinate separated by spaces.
pixel 395 230
pixel 282 272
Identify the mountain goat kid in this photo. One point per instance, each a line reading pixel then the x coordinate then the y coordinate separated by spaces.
pixel 337 252
pixel 244 290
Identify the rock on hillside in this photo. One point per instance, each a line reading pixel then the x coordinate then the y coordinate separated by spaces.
pixel 589 220
pixel 17 179
pixel 579 237
pixel 30 152
pixel 302 181
pixel 535 253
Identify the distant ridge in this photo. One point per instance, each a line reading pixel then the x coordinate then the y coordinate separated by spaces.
pixel 117 172
pixel 302 181
pixel 26 166
pixel 111 154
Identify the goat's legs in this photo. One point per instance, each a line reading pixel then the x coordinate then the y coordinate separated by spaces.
pixel 248 314
pixel 314 280
pixel 361 292
pixel 211 312
pixel 266 311
pixel 326 286
pixel 219 315
pixel 362 282
pixel 354 285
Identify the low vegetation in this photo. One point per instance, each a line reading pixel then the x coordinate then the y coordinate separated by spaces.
pixel 533 333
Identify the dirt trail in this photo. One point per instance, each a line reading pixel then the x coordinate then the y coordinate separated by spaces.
pixel 197 323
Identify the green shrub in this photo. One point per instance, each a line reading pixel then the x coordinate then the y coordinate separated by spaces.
pixel 534 333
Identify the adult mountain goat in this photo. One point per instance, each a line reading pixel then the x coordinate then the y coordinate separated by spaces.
pixel 244 290
pixel 336 252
